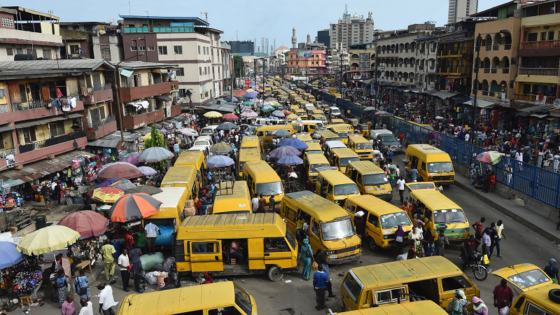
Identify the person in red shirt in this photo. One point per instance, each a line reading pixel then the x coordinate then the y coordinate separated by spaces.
pixel 477 226
pixel 503 291
pixel 129 239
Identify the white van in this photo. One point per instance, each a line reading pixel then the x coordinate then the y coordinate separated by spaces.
pixel 334 112
pixel 387 139
pixel 209 131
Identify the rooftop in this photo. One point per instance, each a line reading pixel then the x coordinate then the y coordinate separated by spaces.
pixel 136 65
pixel 197 21
pixel 38 68
pixel 493 11
pixel 30 15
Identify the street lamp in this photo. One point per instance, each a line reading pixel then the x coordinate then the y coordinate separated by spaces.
pixel 478 42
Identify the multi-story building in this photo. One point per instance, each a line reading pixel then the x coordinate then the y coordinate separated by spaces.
pixel 426 58
pixel 307 62
pixel 186 41
pixel 244 46
pixel 497 47
pixel 539 53
pixel 77 38
pixel 28 32
pixel 227 65
pixel 460 10
pixel 108 44
pixel 351 29
pixel 362 61
pixel 279 53
pixel 324 38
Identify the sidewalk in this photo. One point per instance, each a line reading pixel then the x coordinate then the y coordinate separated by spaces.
pixel 543 226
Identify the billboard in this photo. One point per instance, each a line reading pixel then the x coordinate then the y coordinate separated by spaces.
pixel 304 54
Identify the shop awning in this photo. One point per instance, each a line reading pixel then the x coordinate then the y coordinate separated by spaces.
pixel 164 98
pixel 445 94
pixel 44 121
pixel 6 128
pixel 42 168
pixel 539 115
pixel 480 102
pixel 139 105
pixel 105 143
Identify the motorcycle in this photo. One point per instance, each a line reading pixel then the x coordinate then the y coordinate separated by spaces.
pixel 479 269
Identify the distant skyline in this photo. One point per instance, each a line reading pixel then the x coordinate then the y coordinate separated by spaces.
pixel 252 19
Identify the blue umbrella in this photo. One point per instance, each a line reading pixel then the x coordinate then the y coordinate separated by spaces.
pixel 296 143
pixel 219 161
pixel 228 99
pixel 290 160
pixel 281 152
pixel 251 95
pixel 278 113
pixel 9 255
pixel 281 133
pixel 107 182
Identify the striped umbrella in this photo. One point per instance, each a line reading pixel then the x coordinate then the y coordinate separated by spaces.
pixel 154 154
pixel 133 207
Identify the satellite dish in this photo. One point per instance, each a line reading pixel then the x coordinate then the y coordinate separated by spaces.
pixel 556 103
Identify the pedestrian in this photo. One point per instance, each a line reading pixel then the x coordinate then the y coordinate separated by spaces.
pixel 416 236
pixel 106 299
pixel 400 185
pixel 486 242
pixel 46 192
pixel 57 192
pixel 323 261
pixel 414 174
pixel 360 224
pixel 399 239
pixel 478 230
pixel 299 226
pixel 124 264
pixel 87 307
pixel 503 291
pixel 108 254
pixel 390 157
pixel 262 204
pixel 503 308
pixel 501 234
pixel 141 244
pixel 271 204
pixel 128 239
pixel 479 308
pixel 441 241
pixel 151 235
pixel 428 243
pixel 309 186
pixel 306 256
pixel 552 271
pixel 411 250
pixel 255 204
pixel 61 285
pixel 134 259
pixel 68 306
pixel 456 306
pixel 320 284
pixel 81 285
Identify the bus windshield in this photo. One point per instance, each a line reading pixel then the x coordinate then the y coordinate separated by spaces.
pixel 242 300
pixel 346 189
pixel 337 230
pixel 440 167
pixel 449 216
pixel 364 146
pixel 313 167
pixel 269 189
pixel 344 161
pixel 392 220
pixel 375 179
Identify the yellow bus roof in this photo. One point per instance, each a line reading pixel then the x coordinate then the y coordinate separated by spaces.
pixel 179 175
pixel 181 300
pixel 313 146
pixel 405 271
pixel 371 202
pixel 229 226
pixel 339 128
pixel 434 199
pixel 366 167
pixel 317 159
pixel 189 158
pixel 540 295
pixel 262 171
pixel 249 154
pixel 304 137
pixel 335 176
pixel 358 139
pixel 274 127
pixel 426 149
pixel 316 205
pixel 344 152
pixel 250 142
pixel 327 134
pixel 236 199
pixel 426 307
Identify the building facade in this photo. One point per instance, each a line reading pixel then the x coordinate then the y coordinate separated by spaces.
pixel 186 41
pixel 426 58
pixel 307 62
pixel 245 46
pixel 352 29
pixel 460 10
pixel 324 38
pixel 108 45
pixel 362 61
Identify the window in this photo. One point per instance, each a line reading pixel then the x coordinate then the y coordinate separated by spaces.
pixel 199 70
pixel 532 309
pixel 178 50
pixel 389 296
pixel 46 54
pixel 2 94
pixel 352 287
pixel 10 51
pixel 532 37
pixel 23 93
pixel 224 311
pixel 56 129
pixel 543 35
pixel 133 48
pixel 106 53
pixel 142 48
pixel 151 48
pixel 7 22
pixel 180 72
pixel 550 35
pixel 277 244
pixel 29 134
pixel 199 49
pixel 162 50
pixel 74 49
pixel 204 247
pixel 191 313
pixel 454 283
pixel 350 207
pixel 373 220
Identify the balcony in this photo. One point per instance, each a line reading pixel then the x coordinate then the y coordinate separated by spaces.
pixel 21 111
pixel 137 121
pixel 456 53
pixel 533 98
pixel 541 48
pixel 140 92
pixel 539 71
pixel 101 128
pixel 98 94
pixel 40 150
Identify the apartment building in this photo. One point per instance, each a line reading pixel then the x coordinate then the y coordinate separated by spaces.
pixel 426 58
pixel 460 10
pixel 362 61
pixel 188 42
pixel 227 65
pixel 108 45
pixel 28 32
pixel 351 29
pixel 307 62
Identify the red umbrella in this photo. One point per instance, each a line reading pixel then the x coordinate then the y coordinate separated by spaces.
pixel 133 207
pixel 230 117
pixel 286 112
pixel 239 93
pixel 88 223
pixel 119 169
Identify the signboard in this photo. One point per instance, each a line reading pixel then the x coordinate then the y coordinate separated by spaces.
pixel 247 82
pixel 304 54
pixel 540 100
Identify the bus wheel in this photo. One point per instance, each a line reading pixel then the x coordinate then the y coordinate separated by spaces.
pixel 372 246
pixel 275 274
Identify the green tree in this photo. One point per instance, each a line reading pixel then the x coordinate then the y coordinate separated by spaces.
pixel 238 66
pixel 156 140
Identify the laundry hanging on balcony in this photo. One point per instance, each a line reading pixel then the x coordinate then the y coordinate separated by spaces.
pixel 139 105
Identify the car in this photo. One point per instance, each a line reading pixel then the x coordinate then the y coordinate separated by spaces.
pixel 203 144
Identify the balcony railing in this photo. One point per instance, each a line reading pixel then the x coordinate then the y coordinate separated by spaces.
pixel 97 124
pixel 494 70
pixel 505 71
pixel 541 44
pixel 17 106
pixel 507 47
pixel 533 98
pixel 486 70
pixel 539 71
pixel 37 145
pixel 102 87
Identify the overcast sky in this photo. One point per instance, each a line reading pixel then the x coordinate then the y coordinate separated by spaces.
pixel 247 20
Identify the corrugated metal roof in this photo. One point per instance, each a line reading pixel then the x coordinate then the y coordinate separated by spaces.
pixel 61 64
pixel 135 65
pixel 6 128
pixel 43 168
pixel 106 143
pixel 31 123
pixel 444 94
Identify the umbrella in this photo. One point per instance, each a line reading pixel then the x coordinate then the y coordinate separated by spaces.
pixel 286 112
pixel 119 169
pixel 292 116
pixel 251 95
pixel 189 132
pixel 132 159
pixel 146 170
pixel 48 239
pixel 230 117
pixel 278 113
pixel 275 104
pixel 239 93
pixel 281 133
pixel 212 114
pixel 88 223
pixel 290 160
pixel 227 126
pixel 221 148
pixel 241 98
pixel 150 190
pixel 123 184
pixel 249 114
pixel 229 99
pixel 9 255
pixel 248 103
pixel 281 152
pixel 270 99
pixel 155 154
pixel 129 154
pixel 296 143
pixel 249 90
pixel 133 207
pixel 439 117
pixel 369 109
pixel 490 157
pixel 267 109
pixel 219 161
pixel 383 113
pixel 107 194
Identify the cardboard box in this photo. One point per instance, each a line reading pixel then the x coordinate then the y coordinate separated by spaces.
pixel 189 203
pixel 189 212
pixel 209 209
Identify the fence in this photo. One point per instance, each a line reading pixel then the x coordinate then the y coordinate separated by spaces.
pixel 536 182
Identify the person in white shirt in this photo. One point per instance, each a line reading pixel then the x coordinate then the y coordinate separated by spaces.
pixel 400 185
pixel 123 263
pixel 294 136
pixel 255 202
pixel 151 235
pixel 106 300
pixel 87 307
pixel 467 137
